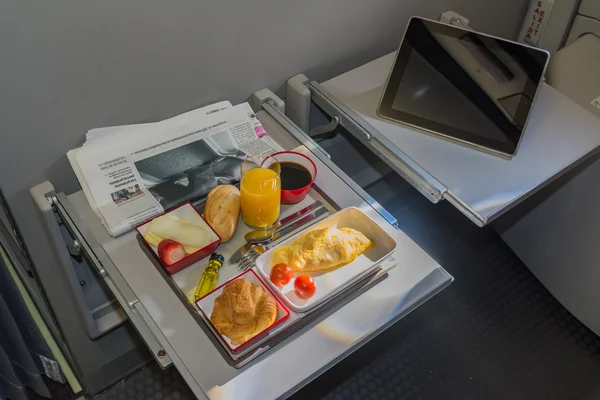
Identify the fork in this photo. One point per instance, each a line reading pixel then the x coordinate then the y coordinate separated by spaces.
pixel 248 259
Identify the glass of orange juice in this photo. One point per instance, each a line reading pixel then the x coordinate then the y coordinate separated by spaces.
pixel 260 191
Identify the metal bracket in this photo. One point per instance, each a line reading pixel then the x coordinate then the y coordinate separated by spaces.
pixel 116 284
pixel 378 144
pixel 325 131
pixel 288 125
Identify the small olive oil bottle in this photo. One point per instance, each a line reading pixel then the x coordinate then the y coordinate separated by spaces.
pixel 210 276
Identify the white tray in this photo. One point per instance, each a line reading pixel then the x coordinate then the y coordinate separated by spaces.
pixel 329 283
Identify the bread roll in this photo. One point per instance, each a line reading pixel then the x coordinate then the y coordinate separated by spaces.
pixel 222 210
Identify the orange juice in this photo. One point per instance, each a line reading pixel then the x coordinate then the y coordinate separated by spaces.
pixel 260 195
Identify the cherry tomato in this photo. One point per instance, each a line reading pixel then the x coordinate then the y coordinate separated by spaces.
pixel 305 286
pixel 281 274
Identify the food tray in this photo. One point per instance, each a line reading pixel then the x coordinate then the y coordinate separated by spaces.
pixel 187 212
pixel 184 284
pixel 206 303
pixel 290 327
pixel 331 282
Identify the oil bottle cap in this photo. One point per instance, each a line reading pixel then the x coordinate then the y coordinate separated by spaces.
pixel 218 257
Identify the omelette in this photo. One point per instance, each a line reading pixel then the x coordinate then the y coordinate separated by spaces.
pixel 323 249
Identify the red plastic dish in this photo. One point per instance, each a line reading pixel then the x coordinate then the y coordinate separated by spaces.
pixel 206 303
pixel 189 213
pixel 296 195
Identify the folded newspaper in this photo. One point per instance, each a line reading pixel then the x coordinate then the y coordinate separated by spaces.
pixel 132 173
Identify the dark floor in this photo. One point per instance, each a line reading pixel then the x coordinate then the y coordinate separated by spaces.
pixel 495 333
pixel 150 383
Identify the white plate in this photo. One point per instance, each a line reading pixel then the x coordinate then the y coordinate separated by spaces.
pixel 332 282
pixel 207 303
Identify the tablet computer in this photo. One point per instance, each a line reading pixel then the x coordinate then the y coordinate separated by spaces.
pixel 463 85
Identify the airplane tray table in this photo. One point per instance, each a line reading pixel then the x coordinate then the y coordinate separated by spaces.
pixel 480 185
pixel 332 333
pixel 184 284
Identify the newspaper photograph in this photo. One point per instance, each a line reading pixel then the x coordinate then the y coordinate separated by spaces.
pixel 130 181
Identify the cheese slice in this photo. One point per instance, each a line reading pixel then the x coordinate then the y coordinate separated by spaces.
pixel 180 230
pixel 154 240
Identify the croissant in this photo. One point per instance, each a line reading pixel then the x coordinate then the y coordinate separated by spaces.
pixel 243 310
pixel 323 249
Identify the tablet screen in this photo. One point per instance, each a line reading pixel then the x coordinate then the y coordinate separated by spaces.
pixel 464 85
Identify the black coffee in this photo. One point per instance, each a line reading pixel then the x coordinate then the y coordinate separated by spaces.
pixel 294 176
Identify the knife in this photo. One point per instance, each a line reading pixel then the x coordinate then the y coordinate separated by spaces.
pixel 292 217
pixel 280 225
pixel 301 222
pixel 303 216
